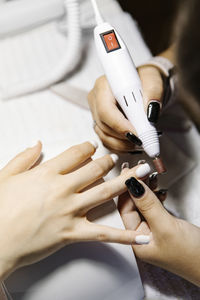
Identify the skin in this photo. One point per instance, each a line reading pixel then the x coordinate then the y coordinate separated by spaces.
pixel 53 199
pixel 111 125
pixel 174 243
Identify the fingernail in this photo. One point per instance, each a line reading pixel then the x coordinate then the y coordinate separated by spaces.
pixel 135 187
pixel 135 152
pixel 114 157
pixel 125 165
pixel 153 176
pixel 141 162
pixel 142 239
pixel 143 170
pixel 153 111
pixel 160 133
pixel 94 143
pixel 133 138
pixel 162 192
pixel 33 144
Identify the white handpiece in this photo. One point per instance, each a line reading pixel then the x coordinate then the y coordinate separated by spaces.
pixel 125 83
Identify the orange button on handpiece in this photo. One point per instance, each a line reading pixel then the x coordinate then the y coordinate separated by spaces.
pixel 111 41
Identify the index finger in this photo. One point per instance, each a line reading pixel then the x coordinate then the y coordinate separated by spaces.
pixel 71 158
pixel 107 109
pixel 109 189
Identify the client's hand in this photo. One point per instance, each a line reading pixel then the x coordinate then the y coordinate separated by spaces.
pixel 114 130
pixel 174 244
pixel 43 207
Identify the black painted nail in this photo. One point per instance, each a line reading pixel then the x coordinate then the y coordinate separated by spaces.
pixel 153 112
pixel 134 187
pixel 162 192
pixel 153 176
pixel 160 133
pixel 133 138
pixel 135 152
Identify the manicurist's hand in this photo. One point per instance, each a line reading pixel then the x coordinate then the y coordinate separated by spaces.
pixel 43 207
pixel 114 130
pixel 173 244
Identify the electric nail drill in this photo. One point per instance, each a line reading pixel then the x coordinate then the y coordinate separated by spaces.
pixel 125 84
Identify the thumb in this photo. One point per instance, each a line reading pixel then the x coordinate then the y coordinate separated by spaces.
pixel 23 161
pixel 152 85
pixel 148 204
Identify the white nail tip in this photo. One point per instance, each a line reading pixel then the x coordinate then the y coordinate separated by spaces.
pixel 94 143
pixel 142 239
pixel 143 170
pixel 114 157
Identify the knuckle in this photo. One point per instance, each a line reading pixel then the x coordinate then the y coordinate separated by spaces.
pixel 101 237
pixel 101 81
pixel 146 204
pixel 97 168
pixel 116 126
pixel 106 192
pixel 45 170
pixel 78 152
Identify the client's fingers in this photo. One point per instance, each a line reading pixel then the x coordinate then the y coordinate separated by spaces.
pixel 91 172
pixel 111 235
pixel 23 161
pixel 72 157
pixel 110 189
pixel 128 212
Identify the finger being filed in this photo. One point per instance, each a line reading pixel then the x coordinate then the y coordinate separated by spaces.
pixel 110 235
pixel 105 191
pixel 24 160
pixel 72 157
pixel 114 143
pixel 93 171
